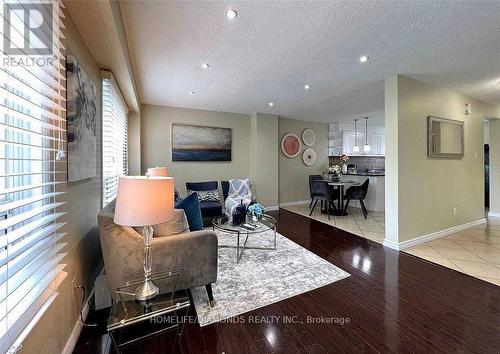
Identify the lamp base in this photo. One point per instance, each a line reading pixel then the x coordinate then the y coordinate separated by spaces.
pixel 146 291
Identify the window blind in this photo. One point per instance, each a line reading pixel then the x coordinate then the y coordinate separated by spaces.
pixel 32 161
pixel 114 137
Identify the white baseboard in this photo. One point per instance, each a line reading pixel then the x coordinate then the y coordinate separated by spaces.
pixel 494 215
pixel 77 329
pixel 272 208
pixel 430 237
pixel 391 244
pixel 297 202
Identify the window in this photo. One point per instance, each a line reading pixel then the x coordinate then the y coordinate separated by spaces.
pixel 32 164
pixel 114 137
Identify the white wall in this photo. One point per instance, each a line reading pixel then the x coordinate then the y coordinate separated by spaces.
pixel 294 174
pixel 428 189
pixel 265 152
pixel 134 143
pixel 495 166
pixel 156 133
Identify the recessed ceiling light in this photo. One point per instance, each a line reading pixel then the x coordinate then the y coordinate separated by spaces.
pixel 271 104
pixel 363 59
pixel 231 14
pixel 307 87
pixel 191 92
pixel 204 65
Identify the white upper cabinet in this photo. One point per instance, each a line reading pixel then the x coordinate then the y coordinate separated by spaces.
pixel 376 142
pixel 341 139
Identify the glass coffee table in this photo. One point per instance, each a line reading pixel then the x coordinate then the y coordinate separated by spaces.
pixel 263 225
pixel 131 321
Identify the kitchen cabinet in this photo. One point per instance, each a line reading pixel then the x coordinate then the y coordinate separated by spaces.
pixel 376 142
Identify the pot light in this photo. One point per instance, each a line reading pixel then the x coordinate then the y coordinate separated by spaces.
pixel 231 14
pixel 307 87
pixel 363 59
pixel 191 92
pixel 271 104
pixel 204 65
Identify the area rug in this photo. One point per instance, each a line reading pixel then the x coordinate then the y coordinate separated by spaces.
pixel 262 277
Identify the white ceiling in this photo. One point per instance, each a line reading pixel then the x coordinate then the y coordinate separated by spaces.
pixel 273 48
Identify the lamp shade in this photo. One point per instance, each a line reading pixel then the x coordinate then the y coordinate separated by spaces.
pixel 143 201
pixel 157 171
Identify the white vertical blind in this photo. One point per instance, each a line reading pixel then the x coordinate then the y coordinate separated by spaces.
pixel 32 164
pixel 114 137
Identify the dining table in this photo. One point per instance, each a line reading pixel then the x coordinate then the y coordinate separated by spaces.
pixel 341 184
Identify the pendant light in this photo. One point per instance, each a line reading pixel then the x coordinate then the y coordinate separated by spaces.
pixel 367 147
pixel 356 147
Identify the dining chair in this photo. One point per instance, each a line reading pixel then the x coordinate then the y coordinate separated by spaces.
pixel 311 179
pixel 321 191
pixel 357 193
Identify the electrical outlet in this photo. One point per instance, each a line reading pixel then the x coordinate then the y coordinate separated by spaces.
pixel 454 211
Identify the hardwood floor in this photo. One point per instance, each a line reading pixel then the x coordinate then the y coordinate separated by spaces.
pixel 393 302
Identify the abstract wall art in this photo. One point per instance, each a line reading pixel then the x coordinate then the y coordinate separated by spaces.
pixel 81 116
pixel 200 143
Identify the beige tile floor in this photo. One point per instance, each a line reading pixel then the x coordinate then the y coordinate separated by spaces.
pixel 475 251
pixel 371 228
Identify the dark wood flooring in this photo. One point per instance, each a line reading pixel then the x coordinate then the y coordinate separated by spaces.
pixel 393 302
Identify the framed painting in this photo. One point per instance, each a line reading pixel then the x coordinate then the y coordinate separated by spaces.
pixel 200 143
pixel 81 115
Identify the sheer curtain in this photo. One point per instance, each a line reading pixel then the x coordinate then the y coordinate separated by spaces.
pixel 114 137
pixel 32 162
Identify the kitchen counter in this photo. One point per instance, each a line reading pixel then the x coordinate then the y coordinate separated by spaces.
pixel 374 174
pixel 375 198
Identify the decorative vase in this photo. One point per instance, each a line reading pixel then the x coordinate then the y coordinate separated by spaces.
pixel 255 218
pixel 344 168
pixel 239 214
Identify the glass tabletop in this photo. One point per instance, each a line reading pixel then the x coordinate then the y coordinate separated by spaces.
pixel 265 223
pixel 127 311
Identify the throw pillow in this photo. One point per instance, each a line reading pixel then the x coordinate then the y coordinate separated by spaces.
pixel 191 206
pixel 177 225
pixel 207 196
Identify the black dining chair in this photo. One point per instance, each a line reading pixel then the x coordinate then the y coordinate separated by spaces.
pixel 321 191
pixel 357 193
pixel 311 179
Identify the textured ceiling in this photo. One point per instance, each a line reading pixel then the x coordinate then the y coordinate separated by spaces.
pixel 272 49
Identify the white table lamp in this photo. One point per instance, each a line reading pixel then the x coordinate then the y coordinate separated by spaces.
pixel 157 172
pixel 145 201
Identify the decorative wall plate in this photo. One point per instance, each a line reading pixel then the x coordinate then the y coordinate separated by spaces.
pixel 290 145
pixel 309 157
pixel 309 137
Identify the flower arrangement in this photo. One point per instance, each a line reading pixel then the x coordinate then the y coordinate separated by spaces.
pixel 334 169
pixel 344 158
pixel 256 210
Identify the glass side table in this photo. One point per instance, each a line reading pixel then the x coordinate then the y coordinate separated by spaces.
pixel 131 321
pixel 264 224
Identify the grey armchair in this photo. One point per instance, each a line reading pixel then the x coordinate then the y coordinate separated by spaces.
pixel 194 253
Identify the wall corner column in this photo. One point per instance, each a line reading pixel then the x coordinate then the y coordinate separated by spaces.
pixel 392 162
pixel 494 167
pixel 264 158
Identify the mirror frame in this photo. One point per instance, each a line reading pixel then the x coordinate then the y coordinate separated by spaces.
pixel 437 155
